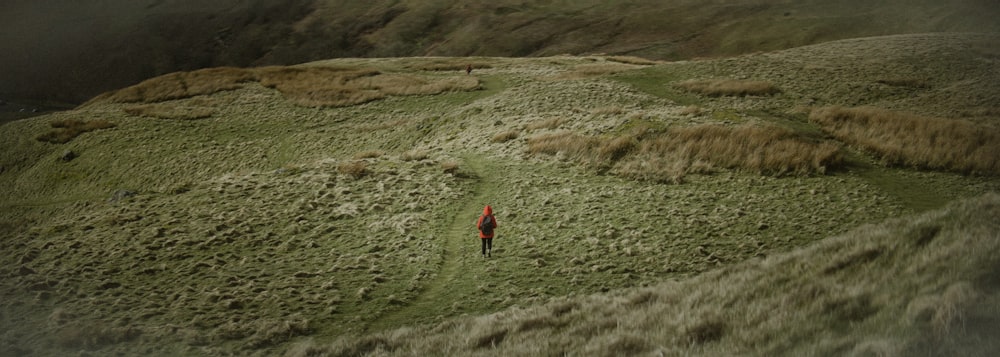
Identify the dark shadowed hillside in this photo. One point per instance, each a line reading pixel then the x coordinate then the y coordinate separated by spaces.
pixel 70 51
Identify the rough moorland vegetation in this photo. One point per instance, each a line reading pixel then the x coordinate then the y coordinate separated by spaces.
pixel 222 214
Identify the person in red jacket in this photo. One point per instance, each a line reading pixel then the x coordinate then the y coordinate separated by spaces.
pixel 486 224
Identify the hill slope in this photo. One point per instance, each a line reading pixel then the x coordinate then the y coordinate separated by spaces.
pixel 71 52
pixel 241 210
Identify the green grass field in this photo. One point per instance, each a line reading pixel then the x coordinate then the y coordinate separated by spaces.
pixel 274 226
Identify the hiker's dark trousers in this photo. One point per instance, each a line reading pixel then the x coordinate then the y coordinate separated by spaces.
pixel 487 244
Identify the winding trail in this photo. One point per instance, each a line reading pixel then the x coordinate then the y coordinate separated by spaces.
pixel 459 251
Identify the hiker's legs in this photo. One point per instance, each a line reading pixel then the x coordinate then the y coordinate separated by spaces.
pixel 484 245
pixel 489 245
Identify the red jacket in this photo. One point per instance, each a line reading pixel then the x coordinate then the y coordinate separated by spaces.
pixel 487 211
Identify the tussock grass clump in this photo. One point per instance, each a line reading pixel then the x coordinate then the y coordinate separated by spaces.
pixel 305 86
pixel 451 167
pixel 370 154
pixel 180 85
pixel 901 139
pixel 448 64
pixel 506 136
pixel 335 87
pixel 356 169
pixel 692 110
pixel 415 155
pixel 669 155
pixel 68 129
pixel 728 87
pixel 321 86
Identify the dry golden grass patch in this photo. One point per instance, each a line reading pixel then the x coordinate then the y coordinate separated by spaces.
pixel 669 155
pixel 506 136
pixel 68 129
pixel 356 169
pixel 728 87
pixel 370 154
pixel 608 110
pixel 448 64
pixel 306 86
pixel 180 85
pixel 415 155
pixel 903 139
pixel 333 87
pixel 451 167
pixel 692 110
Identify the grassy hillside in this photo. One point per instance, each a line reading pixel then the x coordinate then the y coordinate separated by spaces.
pixel 331 206
pixel 71 52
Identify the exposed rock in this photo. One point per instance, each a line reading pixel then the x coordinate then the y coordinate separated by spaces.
pixel 68 156
pixel 121 194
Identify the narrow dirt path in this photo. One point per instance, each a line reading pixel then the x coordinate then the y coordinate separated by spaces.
pixel 460 250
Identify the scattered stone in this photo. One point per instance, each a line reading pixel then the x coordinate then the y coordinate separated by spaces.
pixel 121 194
pixel 68 156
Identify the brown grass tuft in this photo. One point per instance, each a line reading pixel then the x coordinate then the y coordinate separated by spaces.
pixel 708 330
pixel 451 167
pixel 669 155
pixel 448 64
pixel 335 87
pixel 415 155
pixel 728 87
pixel 490 339
pixel 370 154
pixel 181 85
pixel 356 169
pixel 506 136
pixel 68 129
pixel 692 110
pixel 901 139
pixel 306 86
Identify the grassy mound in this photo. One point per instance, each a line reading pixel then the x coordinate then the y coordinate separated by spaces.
pixel 307 86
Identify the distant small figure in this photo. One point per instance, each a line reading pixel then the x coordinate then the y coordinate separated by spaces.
pixel 468 69
pixel 486 224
